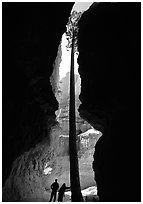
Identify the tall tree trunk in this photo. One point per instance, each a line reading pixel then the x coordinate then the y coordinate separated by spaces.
pixel 76 195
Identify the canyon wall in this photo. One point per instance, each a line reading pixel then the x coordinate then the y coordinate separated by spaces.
pixel 109 66
pixel 31 35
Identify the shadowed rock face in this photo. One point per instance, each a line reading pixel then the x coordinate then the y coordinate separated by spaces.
pixel 31 36
pixel 109 66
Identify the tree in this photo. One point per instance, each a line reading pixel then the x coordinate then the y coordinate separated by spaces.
pixel 73 24
pixel 76 195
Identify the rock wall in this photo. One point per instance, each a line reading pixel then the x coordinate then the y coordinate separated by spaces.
pixel 85 141
pixel 34 170
pixel 31 36
pixel 109 66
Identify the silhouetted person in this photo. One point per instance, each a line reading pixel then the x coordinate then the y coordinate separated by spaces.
pixel 54 188
pixel 61 192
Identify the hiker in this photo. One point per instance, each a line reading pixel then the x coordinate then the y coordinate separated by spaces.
pixel 61 192
pixel 54 188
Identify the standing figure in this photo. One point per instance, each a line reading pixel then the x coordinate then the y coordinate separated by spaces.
pixel 54 188
pixel 61 192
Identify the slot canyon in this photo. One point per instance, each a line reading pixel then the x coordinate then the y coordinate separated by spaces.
pixel 35 123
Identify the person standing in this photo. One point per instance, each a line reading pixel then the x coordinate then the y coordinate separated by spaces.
pixel 54 188
pixel 61 192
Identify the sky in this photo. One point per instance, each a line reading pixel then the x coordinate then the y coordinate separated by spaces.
pixel 66 55
pixel 81 6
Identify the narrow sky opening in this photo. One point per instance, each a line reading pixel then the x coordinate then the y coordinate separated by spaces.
pixel 81 6
pixel 66 53
pixel 66 59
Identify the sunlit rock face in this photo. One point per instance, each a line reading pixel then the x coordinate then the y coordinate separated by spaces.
pixel 85 141
pixel 88 140
pixel 63 98
pixel 34 170
pixel 109 67
pixel 89 194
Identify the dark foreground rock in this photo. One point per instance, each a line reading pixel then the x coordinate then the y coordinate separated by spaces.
pixel 109 66
pixel 31 35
